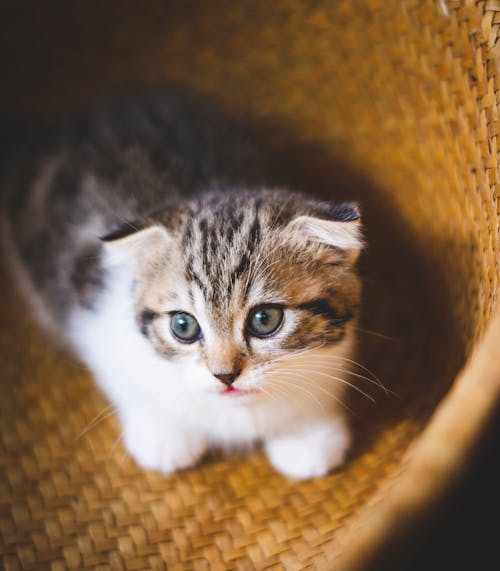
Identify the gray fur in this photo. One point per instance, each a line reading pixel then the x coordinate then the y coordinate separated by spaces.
pixel 74 181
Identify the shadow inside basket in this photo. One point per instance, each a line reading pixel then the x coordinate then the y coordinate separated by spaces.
pixel 409 346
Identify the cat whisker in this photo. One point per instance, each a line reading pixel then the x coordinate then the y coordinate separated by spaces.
pixel 276 386
pixel 334 358
pixel 296 373
pixel 302 352
pixel 373 375
pixel 322 389
pixel 301 388
pixel 115 444
pixel 127 223
pixel 340 380
pixel 298 353
pixel 278 394
pixel 374 333
pixel 358 365
pixel 269 394
pixel 105 413
pixel 327 366
pixel 284 393
pixel 124 456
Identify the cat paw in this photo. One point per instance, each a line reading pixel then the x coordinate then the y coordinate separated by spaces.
pixel 161 452
pixel 311 453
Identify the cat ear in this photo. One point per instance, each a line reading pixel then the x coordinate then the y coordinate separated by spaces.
pixel 342 231
pixel 136 247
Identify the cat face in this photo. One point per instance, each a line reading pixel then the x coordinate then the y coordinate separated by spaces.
pixel 237 290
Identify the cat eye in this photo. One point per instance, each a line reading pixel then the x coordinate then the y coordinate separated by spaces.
pixel 184 327
pixel 265 320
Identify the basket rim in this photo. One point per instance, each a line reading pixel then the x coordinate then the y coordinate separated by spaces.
pixel 430 464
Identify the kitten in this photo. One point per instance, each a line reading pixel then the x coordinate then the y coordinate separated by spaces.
pixel 213 308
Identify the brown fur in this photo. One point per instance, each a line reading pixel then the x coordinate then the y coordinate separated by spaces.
pixel 235 255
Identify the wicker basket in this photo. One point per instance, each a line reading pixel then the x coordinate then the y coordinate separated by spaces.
pixel 393 102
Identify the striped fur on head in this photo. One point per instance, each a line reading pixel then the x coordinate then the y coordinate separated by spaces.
pixel 223 254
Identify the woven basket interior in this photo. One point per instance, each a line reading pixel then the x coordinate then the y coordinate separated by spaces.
pixel 392 103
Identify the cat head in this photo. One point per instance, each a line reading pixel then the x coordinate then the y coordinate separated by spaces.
pixel 234 286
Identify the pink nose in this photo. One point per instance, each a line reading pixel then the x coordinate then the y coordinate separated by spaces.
pixel 227 378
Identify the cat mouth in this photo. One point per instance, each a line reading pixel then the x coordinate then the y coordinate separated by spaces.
pixel 234 392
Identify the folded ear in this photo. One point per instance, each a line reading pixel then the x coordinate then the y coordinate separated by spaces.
pixel 342 233
pixel 136 248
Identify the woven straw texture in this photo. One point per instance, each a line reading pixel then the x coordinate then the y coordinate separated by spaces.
pixel 388 101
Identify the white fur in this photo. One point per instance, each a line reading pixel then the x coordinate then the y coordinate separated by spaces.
pixel 343 235
pixel 310 452
pixel 171 412
pixel 132 249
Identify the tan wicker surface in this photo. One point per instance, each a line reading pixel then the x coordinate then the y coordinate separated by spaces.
pixel 395 102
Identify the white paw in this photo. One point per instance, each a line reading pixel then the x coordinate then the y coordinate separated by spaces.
pixel 154 448
pixel 310 453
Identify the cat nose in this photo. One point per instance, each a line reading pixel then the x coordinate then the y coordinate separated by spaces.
pixel 227 378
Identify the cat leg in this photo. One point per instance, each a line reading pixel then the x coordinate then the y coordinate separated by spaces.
pixel 312 451
pixel 156 444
